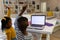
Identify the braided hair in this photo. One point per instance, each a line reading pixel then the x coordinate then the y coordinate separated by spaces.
pixel 4 21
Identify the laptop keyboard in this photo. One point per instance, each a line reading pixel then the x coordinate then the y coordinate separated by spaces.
pixel 37 28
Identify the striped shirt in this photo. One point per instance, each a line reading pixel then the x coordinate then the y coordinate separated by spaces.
pixel 19 34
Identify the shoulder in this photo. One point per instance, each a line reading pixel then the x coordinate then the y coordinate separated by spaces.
pixel 19 32
pixel 7 31
pixel 18 17
pixel 12 29
pixel 16 20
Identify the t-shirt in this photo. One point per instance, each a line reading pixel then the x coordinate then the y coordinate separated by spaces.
pixel 15 23
pixel 19 34
pixel 11 33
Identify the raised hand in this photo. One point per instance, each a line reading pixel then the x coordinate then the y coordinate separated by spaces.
pixel 7 6
pixel 23 9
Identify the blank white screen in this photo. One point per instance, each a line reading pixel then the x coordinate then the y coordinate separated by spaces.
pixel 40 20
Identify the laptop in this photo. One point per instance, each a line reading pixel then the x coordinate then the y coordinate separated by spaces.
pixel 37 21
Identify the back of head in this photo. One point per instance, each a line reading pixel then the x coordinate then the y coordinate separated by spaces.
pixel 22 23
pixel 22 19
pixel 4 21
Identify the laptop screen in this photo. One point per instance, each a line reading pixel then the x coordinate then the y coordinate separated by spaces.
pixel 38 20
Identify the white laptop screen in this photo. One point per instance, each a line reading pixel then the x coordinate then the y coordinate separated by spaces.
pixel 38 20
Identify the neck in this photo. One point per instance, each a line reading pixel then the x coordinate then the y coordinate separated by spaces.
pixel 25 32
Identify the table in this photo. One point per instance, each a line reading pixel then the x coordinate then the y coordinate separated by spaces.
pixel 47 30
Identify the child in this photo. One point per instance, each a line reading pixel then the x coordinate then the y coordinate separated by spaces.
pixel 7 27
pixel 21 35
pixel 22 23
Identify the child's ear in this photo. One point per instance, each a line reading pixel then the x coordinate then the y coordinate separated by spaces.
pixel 29 23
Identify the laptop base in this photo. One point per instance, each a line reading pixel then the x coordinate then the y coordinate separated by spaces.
pixel 37 28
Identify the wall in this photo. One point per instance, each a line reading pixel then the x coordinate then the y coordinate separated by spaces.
pixel 1 9
pixel 53 3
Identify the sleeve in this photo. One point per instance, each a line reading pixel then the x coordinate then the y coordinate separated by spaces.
pixel 9 12
pixel 8 33
pixel 15 23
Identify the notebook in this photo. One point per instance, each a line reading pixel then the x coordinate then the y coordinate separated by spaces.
pixel 37 21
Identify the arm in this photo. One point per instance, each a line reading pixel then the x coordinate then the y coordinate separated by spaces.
pixel 8 12
pixel 23 9
pixel 8 34
pixel 15 23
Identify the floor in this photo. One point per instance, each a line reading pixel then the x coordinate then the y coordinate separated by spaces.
pixel 54 36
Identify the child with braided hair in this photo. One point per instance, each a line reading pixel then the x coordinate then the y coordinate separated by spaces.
pixel 7 26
